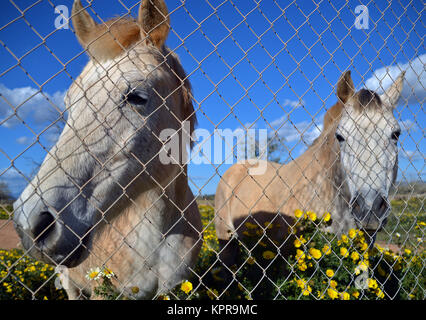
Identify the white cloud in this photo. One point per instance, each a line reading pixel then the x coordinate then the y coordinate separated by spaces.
pixel 293 103
pixel 412 155
pixel 409 125
pixel 414 84
pixel 23 140
pixel 36 108
pixel 303 131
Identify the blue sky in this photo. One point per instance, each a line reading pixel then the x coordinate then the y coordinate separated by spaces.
pixel 254 64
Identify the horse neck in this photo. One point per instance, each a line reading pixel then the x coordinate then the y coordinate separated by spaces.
pixel 338 196
pixel 320 168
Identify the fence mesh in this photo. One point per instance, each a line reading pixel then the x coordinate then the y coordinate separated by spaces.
pixel 101 196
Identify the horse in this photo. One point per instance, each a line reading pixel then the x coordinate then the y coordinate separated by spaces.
pixel 102 199
pixel 347 171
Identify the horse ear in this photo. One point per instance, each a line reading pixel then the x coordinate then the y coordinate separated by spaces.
pixel 83 23
pixel 154 21
pixel 345 87
pixel 392 94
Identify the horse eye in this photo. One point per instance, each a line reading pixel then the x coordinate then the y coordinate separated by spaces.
pixel 339 138
pixel 395 135
pixel 135 99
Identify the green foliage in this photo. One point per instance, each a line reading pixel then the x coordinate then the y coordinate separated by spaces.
pixel 400 227
pixel 320 266
pixel 6 212
pixel 19 275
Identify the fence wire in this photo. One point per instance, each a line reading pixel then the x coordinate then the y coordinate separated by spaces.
pixel 101 196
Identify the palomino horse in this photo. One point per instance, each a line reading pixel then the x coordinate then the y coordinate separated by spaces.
pixel 347 171
pixel 102 197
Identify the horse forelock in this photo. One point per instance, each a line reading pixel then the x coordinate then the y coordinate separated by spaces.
pixel 367 99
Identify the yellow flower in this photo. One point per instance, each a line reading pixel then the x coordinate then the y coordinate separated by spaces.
pixel 306 289
pixel 298 213
pixel 300 255
pixel 372 284
pixel 315 253
pixel 329 273
pixel 407 251
pixel 344 252
pixel 362 266
pixel 186 286
pixel 212 294
pixel 380 293
pixel 345 238
pixel 333 283
pixel 300 283
pixel 355 294
pixel 332 293
pixel 94 274
pixel 250 225
pixel 311 215
pixel 355 256
pixel 134 290
pixel 352 233
pixel 345 296
pixel 268 255
pixel 263 244
pixel 268 224
pixel 326 216
pixel 107 273
pixel 297 243
pixel 251 260
pixel 326 250
pixel 302 266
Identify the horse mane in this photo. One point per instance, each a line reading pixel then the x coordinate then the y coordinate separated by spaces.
pixel 118 35
pixel 331 117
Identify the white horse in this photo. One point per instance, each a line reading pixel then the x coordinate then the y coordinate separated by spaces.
pixel 347 171
pixel 102 197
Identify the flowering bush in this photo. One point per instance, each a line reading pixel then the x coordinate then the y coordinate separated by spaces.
pixel 320 265
pixel 316 265
pixel 329 267
pixel 24 278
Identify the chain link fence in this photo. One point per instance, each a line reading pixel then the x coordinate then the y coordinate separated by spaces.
pixel 304 179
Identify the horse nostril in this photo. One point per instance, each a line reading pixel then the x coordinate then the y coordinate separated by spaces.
pixel 357 204
pixel 380 205
pixel 43 226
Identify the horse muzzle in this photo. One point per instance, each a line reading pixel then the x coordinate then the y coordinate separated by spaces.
pixel 371 218
pixel 48 238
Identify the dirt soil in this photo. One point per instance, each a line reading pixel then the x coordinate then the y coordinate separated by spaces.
pixel 9 239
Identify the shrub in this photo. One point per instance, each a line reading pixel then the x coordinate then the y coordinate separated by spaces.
pixel 322 266
pixel 24 278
